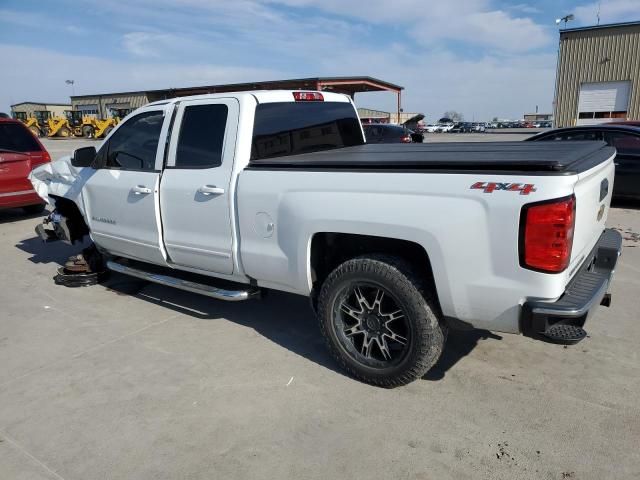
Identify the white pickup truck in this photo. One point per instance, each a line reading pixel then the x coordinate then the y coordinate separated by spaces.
pixel 229 194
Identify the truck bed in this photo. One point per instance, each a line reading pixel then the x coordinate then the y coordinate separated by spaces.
pixel 551 158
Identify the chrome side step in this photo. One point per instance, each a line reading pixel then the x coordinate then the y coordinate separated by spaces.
pixel 201 288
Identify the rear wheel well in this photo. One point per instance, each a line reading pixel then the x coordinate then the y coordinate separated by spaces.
pixel 328 250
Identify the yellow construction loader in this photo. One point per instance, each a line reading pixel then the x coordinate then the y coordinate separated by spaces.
pixel 74 123
pixel 59 127
pixel 81 125
pixel 38 122
pixel 102 127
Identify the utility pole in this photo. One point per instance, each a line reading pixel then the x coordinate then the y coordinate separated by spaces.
pixel 73 88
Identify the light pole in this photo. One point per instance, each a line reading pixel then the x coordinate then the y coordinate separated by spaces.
pixel 73 89
pixel 565 19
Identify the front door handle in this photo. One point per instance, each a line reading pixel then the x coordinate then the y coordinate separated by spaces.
pixel 210 190
pixel 141 190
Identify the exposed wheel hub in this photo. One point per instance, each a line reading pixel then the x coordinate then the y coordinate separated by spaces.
pixel 372 323
pixel 376 329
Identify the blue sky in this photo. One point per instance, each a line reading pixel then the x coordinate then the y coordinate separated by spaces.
pixel 484 58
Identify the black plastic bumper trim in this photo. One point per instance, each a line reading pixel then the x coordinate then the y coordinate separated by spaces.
pixel 584 292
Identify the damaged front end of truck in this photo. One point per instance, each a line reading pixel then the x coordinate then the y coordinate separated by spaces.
pixel 60 184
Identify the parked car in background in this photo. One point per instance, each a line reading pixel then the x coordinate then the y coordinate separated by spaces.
pixel 386 133
pixel 462 127
pixel 446 127
pixel 431 128
pixel 479 127
pixel 20 152
pixel 630 123
pixel 626 140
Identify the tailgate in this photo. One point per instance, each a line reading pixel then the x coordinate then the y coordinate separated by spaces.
pixel 593 196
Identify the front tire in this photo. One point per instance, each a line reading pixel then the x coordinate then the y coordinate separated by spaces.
pixel 380 324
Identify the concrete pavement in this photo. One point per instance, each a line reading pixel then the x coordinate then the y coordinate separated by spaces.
pixel 130 380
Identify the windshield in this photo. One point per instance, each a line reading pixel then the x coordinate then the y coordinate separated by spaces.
pixel 16 138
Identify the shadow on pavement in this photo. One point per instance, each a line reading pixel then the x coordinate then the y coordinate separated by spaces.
pixel 283 318
pixel 459 344
pixel 53 252
pixel 626 203
pixel 17 214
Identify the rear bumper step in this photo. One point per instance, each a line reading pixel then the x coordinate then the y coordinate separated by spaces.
pixel 190 286
pixel 583 294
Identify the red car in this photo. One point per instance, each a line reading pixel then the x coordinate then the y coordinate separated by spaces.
pixel 20 152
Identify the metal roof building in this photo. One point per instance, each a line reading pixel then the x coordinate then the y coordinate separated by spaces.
pixel 56 109
pixel 102 103
pixel 598 75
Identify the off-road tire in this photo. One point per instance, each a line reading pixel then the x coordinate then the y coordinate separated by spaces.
pixel 427 331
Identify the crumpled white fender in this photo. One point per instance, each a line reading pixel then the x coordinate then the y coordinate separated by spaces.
pixel 59 178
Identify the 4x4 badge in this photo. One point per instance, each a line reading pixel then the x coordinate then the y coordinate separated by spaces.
pixel 490 187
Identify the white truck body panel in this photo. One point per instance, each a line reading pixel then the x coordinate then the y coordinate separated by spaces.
pixel 473 262
pixel 261 223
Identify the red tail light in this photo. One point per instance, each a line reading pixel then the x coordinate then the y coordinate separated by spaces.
pixel 546 235
pixel 406 139
pixel 308 97
pixel 46 157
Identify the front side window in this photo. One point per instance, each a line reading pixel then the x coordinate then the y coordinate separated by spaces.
pixel 134 145
pixel 202 136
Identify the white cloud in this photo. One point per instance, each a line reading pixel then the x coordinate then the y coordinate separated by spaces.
pixel 172 43
pixel 472 21
pixel 611 11
pixel 146 44
pixel 96 75
pixel 525 8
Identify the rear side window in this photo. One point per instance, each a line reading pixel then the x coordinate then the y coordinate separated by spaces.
pixel 291 128
pixel 576 135
pixel 625 144
pixel 372 131
pixel 17 138
pixel 133 146
pixel 201 136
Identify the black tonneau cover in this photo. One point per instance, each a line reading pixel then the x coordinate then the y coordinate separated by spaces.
pixel 561 157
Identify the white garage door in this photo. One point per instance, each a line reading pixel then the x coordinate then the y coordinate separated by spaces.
pixel 89 110
pixel 603 102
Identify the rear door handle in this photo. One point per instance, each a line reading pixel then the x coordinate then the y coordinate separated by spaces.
pixel 141 190
pixel 211 190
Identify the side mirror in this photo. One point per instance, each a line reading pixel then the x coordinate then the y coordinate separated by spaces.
pixel 83 157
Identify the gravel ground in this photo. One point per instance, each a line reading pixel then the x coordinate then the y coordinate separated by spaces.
pixel 130 380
